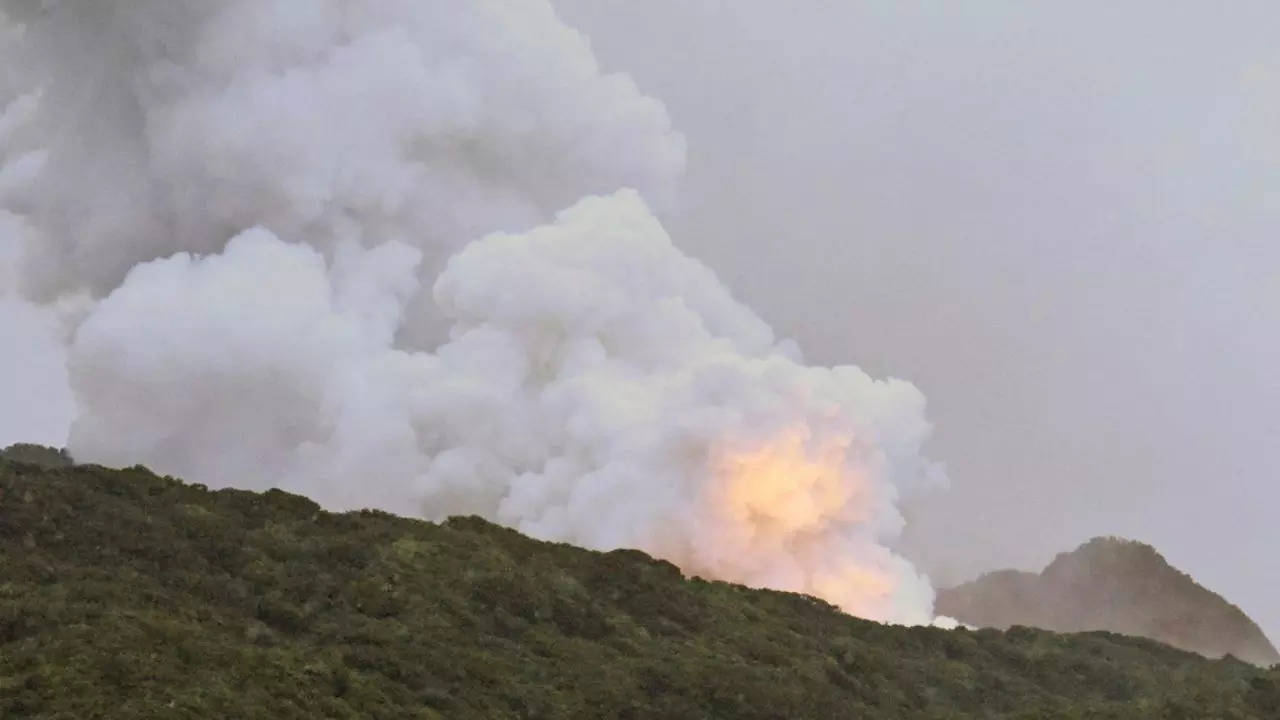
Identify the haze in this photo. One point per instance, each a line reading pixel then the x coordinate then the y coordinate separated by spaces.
pixel 1058 220
pixel 224 225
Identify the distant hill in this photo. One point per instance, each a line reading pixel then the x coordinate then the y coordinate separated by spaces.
pixel 1117 585
pixel 124 594
pixel 36 455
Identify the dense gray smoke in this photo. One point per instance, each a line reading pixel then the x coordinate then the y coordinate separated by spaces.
pixel 169 126
pixel 246 225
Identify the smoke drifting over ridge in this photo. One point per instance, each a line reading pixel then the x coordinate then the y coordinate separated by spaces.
pixel 240 212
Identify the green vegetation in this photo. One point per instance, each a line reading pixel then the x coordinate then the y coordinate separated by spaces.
pixel 36 455
pixel 124 594
pixel 1117 585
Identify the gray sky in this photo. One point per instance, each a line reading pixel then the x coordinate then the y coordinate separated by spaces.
pixel 1058 219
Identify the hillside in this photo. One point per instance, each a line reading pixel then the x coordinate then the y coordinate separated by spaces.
pixel 125 594
pixel 1116 585
pixel 36 455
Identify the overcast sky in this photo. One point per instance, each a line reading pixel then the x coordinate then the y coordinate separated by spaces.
pixel 1058 219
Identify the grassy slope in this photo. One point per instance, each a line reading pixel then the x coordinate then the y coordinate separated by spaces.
pixel 123 594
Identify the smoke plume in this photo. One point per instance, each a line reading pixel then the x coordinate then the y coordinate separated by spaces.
pixel 251 218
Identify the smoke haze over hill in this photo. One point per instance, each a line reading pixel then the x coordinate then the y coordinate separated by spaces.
pixel 1058 222
pixel 250 221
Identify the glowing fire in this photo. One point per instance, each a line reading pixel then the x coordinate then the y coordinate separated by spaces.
pixel 797 515
pixel 783 489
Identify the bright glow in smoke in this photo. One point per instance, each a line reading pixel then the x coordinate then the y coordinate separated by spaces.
pixel 262 194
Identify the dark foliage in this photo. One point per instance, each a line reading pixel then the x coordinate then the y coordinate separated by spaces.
pixel 124 594
pixel 36 455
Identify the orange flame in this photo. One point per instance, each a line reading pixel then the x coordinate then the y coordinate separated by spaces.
pixel 783 513
pixel 782 488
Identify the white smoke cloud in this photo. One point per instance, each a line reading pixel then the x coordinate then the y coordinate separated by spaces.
pixel 598 387
pixel 173 125
pixel 264 193
pixel 35 399
pixel 221 367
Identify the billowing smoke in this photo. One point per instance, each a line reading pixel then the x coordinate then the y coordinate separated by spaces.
pixel 169 125
pixel 35 399
pixel 261 196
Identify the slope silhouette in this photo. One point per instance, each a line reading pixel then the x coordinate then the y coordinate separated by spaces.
pixel 1117 585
